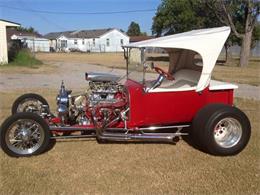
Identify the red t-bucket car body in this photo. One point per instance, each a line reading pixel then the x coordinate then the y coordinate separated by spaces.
pixel 147 104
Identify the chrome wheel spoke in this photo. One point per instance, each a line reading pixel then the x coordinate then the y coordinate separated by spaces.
pixel 15 143
pixel 35 131
pixel 15 140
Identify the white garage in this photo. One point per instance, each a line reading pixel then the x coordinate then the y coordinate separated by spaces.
pixel 3 40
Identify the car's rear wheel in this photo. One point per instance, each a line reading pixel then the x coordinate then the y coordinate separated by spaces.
pixel 221 129
pixel 24 134
pixel 29 102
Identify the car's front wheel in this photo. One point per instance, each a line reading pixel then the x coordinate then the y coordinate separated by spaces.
pixel 29 102
pixel 221 129
pixel 24 134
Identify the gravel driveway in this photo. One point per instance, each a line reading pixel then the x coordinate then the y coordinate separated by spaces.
pixel 73 75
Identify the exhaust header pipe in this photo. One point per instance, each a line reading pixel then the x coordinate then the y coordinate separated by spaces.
pixel 124 137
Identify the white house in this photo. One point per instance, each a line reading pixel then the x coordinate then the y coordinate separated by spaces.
pixel 99 40
pixel 3 40
pixel 34 41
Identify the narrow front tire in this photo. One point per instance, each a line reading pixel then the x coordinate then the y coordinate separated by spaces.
pixel 24 134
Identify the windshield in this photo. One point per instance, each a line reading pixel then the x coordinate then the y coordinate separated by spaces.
pixel 140 62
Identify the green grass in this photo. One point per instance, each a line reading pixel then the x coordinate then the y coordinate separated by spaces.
pixel 24 58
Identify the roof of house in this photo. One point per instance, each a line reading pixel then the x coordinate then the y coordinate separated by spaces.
pixel 10 22
pixel 13 31
pixel 95 33
pixel 139 38
pixel 55 35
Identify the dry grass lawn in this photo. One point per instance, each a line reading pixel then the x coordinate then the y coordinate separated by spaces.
pixel 231 73
pixel 80 167
pixel 108 59
pixel 37 69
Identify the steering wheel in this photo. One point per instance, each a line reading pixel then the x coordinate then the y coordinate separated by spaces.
pixel 165 74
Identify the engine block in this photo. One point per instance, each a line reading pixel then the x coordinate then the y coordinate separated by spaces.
pixel 107 101
pixel 104 92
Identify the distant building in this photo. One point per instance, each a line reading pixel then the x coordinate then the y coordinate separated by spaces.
pixel 34 41
pixel 99 40
pixel 3 40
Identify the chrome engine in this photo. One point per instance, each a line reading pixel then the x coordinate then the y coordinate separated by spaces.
pixel 103 92
pixel 107 102
pixel 103 105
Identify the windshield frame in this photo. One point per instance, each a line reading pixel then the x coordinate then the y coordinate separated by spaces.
pixel 127 51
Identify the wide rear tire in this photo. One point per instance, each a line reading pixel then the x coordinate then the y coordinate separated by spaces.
pixel 221 130
pixel 24 134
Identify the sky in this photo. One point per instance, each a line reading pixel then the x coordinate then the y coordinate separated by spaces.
pixel 13 10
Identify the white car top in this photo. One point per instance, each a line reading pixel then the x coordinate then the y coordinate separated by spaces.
pixel 207 42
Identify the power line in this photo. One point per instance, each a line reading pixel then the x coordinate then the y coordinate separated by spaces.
pixel 78 13
pixel 22 3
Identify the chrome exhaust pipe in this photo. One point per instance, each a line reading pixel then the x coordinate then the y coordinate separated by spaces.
pixel 143 136
pixel 73 136
pixel 56 128
pixel 102 134
pixel 69 128
pixel 150 137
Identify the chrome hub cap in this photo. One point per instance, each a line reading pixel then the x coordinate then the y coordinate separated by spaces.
pixel 228 132
pixel 24 136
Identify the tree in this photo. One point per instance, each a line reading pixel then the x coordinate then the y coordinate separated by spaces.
pixel 25 29
pixel 175 16
pixel 241 16
pixel 134 29
pixel 256 35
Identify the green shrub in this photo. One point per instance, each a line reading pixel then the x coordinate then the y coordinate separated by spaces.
pixel 25 58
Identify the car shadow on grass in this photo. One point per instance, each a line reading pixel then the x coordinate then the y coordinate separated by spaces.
pixel 191 142
pixel 50 145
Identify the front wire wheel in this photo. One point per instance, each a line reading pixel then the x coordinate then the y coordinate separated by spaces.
pixel 24 134
pixel 29 103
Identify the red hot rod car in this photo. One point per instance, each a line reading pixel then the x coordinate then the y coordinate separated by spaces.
pixel 151 105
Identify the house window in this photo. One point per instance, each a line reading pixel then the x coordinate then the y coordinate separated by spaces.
pixel 122 41
pixel 63 43
pixel 83 42
pixel 94 42
pixel 75 42
pixel 108 42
